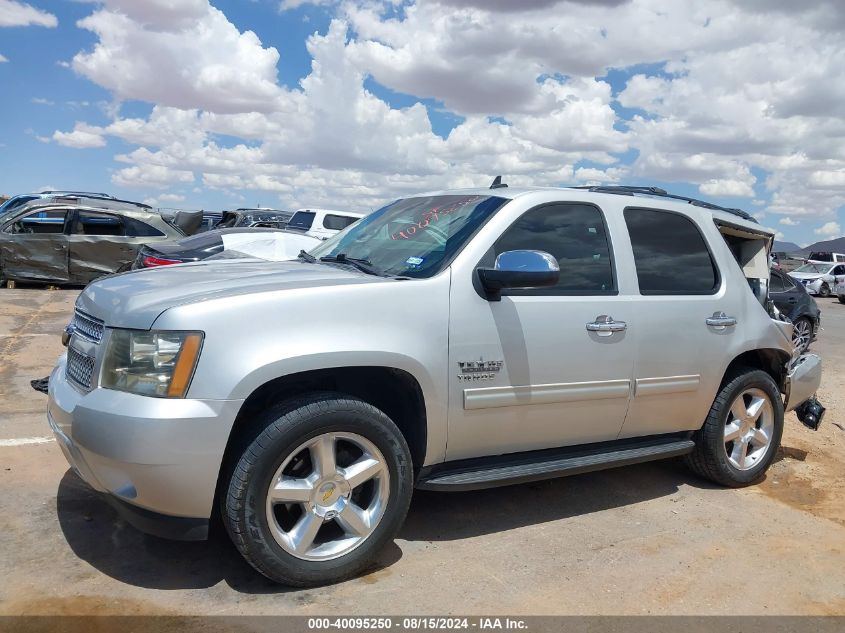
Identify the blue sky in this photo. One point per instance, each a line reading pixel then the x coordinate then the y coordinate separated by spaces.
pixel 351 104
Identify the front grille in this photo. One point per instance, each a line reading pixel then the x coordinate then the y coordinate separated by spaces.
pixel 87 326
pixel 79 368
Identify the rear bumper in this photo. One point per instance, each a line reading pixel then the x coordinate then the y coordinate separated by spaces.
pixel 157 460
pixel 803 380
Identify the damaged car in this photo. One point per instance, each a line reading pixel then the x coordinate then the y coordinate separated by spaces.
pixel 76 239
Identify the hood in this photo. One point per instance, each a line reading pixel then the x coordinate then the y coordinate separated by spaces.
pixel 136 299
pixel 807 275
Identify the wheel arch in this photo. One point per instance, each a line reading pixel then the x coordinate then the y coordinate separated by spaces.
pixel 770 360
pixel 394 391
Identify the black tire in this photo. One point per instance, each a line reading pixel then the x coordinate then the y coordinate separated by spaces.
pixel 841 298
pixel 709 458
pixel 824 291
pixel 286 427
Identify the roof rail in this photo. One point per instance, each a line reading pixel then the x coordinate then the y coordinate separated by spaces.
pixel 627 190
pixel 78 197
pixel 87 194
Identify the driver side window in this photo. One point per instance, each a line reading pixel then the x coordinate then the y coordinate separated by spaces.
pixel 39 223
pixel 576 236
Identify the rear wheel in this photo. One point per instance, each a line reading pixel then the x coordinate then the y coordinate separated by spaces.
pixel 841 298
pixel 739 439
pixel 320 491
pixel 802 333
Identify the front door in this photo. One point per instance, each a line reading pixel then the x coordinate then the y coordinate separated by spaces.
pixel 35 247
pixel 525 372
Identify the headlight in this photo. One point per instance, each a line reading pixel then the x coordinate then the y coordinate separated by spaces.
pixel 151 363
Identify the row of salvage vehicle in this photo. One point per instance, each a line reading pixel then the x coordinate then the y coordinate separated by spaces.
pixel 68 237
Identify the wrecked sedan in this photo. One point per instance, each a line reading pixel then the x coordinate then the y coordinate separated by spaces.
pixel 77 240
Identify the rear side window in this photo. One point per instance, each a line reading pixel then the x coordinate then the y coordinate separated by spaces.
pixel 302 220
pixel 98 224
pixel 821 257
pixel 337 222
pixel 575 235
pixel 776 283
pixel 671 255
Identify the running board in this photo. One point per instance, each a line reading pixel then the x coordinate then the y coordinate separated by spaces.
pixel 517 468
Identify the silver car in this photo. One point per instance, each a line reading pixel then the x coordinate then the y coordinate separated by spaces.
pixel 454 340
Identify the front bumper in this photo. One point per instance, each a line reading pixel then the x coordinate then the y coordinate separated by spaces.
pixel 802 380
pixel 158 459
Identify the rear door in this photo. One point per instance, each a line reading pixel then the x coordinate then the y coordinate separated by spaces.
pixel 35 246
pixel 99 245
pixel 682 341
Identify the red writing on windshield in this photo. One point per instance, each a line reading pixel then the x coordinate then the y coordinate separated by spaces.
pixel 432 215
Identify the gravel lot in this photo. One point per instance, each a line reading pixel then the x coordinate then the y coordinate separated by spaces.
pixel 644 539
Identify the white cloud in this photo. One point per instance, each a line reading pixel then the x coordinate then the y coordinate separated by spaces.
pixel 779 236
pixel 42 101
pixel 726 187
pixel 155 176
pixel 829 229
pixel 21 14
pixel 787 221
pixel 82 137
pixel 735 90
pixel 3 59
pixel 180 53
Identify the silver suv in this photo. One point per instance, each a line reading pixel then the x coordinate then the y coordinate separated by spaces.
pixel 455 340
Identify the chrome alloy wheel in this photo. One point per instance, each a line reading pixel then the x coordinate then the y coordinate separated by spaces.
pixel 328 496
pixel 749 429
pixel 802 330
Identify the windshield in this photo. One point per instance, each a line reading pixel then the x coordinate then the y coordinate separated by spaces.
pixel 812 268
pixel 414 237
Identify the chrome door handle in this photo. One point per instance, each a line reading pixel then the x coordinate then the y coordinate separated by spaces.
pixel 605 325
pixel 720 320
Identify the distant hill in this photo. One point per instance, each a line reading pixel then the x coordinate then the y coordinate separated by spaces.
pixel 832 246
pixel 785 247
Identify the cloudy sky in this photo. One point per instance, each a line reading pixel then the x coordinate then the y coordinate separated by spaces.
pixel 348 104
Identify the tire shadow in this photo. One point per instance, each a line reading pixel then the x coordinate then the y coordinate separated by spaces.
pixel 97 535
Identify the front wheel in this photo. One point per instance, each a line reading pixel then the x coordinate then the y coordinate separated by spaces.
pixel 739 439
pixel 320 491
pixel 824 291
pixel 841 298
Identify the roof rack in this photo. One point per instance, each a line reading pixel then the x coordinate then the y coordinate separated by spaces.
pixel 627 190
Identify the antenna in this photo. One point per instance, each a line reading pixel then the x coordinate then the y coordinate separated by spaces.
pixel 497 183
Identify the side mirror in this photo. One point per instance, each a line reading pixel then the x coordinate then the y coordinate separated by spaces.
pixel 519 269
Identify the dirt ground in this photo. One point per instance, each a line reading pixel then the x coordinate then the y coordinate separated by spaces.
pixel 647 539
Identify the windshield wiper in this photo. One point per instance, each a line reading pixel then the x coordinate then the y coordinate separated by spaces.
pixel 308 257
pixel 364 265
